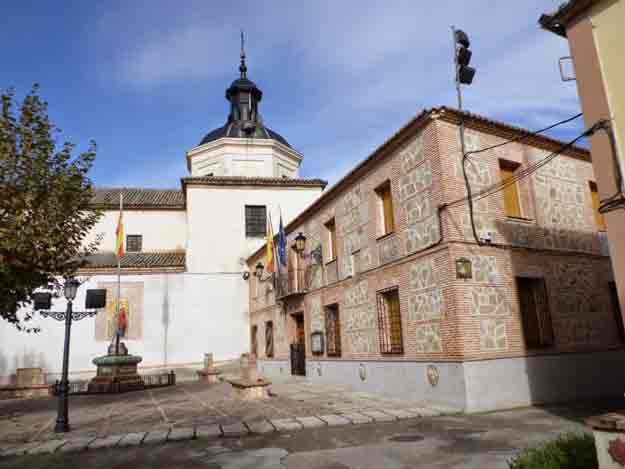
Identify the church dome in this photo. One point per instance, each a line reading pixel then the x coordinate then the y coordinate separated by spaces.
pixel 244 120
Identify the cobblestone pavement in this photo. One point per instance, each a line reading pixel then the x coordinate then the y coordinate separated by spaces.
pixel 484 441
pixel 191 409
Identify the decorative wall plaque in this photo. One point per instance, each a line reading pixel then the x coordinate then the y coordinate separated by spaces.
pixel 316 342
pixel 433 375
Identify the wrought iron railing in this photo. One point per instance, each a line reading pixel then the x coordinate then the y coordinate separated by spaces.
pixel 293 282
pixel 149 381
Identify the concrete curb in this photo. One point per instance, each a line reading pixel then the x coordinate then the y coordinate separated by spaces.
pixel 211 432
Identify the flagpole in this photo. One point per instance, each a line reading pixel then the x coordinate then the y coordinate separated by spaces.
pixel 119 281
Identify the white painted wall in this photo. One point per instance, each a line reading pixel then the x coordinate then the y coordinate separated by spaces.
pixel 248 158
pixel 216 239
pixel 161 229
pixel 184 316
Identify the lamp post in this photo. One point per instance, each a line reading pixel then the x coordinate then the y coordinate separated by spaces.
pixel 69 290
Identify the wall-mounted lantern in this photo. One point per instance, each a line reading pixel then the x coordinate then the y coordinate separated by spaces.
pixel 463 268
pixel 300 243
pixel 259 270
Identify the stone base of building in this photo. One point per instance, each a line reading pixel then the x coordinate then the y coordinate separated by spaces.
pixel 26 392
pixel 474 386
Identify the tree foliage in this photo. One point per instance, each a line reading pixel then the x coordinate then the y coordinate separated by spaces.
pixel 44 204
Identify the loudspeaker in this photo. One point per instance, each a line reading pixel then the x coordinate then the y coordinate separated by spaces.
pixel 96 299
pixel 43 301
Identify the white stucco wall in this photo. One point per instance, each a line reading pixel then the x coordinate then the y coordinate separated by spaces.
pixel 184 316
pixel 216 239
pixel 248 158
pixel 161 229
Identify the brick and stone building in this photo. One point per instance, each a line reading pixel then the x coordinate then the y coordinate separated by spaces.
pixel 380 298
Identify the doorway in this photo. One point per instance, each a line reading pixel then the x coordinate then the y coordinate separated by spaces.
pixel 298 347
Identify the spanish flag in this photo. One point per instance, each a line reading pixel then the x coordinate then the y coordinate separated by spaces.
pixel 119 232
pixel 270 249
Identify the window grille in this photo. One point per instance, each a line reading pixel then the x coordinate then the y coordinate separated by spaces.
pixel 333 331
pixel 134 243
pixel 269 339
pixel 255 221
pixel 389 322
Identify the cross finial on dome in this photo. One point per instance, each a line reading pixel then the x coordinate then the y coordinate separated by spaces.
pixel 243 67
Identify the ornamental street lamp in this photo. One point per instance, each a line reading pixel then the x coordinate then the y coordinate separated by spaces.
pixel 95 299
pixel 300 243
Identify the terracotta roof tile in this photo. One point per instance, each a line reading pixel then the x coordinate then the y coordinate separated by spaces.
pixel 139 198
pixel 136 260
pixel 252 181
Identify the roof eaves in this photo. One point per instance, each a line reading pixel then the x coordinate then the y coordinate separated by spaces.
pixel 557 21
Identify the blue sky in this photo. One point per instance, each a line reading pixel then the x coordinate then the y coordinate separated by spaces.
pixel 146 80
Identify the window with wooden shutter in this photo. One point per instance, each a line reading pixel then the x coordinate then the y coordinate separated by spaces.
pixel 255 221
pixel 535 314
pixel 594 195
pixel 512 202
pixel 333 331
pixel 389 322
pixel 331 228
pixel 269 339
pixel 385 202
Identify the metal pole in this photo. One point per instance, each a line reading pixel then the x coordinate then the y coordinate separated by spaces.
pixel 62 418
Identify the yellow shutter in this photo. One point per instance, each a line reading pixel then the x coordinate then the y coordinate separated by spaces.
pixel 387 204
pixel 599 219
pixel 510 194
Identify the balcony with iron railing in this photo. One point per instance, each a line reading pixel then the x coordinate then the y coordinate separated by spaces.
pixel 292 282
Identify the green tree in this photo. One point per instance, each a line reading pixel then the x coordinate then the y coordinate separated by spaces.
pixel 44 204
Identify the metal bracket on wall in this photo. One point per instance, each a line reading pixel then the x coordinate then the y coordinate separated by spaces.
pixel 567 71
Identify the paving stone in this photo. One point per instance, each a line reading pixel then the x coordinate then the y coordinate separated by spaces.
pixel 76 444
pixel 49 446
pixel 106 442
pixel 286 425
pixel 132 439
pixel 21 448
pixel 401 414
pixel 424 412
pixel 379 416
pixel 357 418
pixel 234 429
pixel 260 426
pixel 334 420
pixel 311 422
pixel 180 434
pixel 207 431
pixel 156 437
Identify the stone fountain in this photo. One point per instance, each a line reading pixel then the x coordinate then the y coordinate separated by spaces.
pixel 116 371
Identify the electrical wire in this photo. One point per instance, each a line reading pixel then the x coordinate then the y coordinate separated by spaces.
pixel 520 175
pixel 523 137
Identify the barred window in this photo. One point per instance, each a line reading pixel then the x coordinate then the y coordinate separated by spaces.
pixel 255 221
pixel 389 322
pixel 254 340
pixel 333 331
pixel 269 339
pixel 134 243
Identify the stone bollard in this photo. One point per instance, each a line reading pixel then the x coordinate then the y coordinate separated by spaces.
pixel 209 373
pixel 249 367
pixel 250 386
